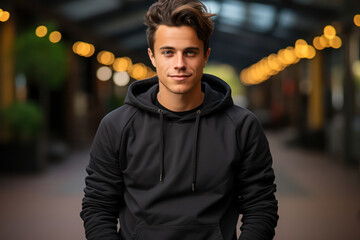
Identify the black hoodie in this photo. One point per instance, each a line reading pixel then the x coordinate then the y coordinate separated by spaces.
pixel 169 177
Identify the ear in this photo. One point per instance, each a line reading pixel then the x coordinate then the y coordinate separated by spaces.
pixel 152 57
pixel 206 58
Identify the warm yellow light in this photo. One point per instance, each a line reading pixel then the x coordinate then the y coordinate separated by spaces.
pixel 138 71
pixel 122 64
pixel 83 49
pixel 253 78
pixel 260 74
pixel 41 31
pixel 300 42
pixel 1 12
pixel 336 42
pixel 91 50
pixel 357 20
pixel 281 57
pixel 290 56
pixel 5 15
pixel 55 37
pixel 324 41
pixel 105 57
pixel 245 77
pixel 86 49
pixel 310 52
pixel 317 44
pixel 301 48
pixel 329 32
pixel 300 51
pixel 263 68
pixel 274 63
pixel 75 47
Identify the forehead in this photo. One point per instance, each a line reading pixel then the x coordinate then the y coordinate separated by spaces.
pixel 176 37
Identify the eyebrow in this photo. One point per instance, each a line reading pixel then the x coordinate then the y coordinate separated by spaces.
pixel 188 48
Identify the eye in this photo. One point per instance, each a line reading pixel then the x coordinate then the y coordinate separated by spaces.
pixel 190 53
pixel 167 53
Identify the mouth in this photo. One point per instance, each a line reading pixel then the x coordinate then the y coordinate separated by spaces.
pixel 180 77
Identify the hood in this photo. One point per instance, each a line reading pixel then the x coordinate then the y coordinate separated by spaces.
pixel 142 94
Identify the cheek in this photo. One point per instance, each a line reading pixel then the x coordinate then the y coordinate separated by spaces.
pixel 162 66
pixel 199 66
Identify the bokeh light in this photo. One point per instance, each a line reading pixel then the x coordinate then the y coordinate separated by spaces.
pixel 311 52
pixel 122 64
pixel 336 42
pixel 104 73
pixel 55 37
pixel 324 41
pixel 317 43
pixel 106 57
pixel 138 71
pixel 41 31
pixel 121 78
pixel 357 20
pixel 329 32
pixel 4 16
pixel 83 49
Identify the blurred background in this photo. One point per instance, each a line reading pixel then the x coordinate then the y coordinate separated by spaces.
pixel 64 64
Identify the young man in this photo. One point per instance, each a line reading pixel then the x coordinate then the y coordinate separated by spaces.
pixel 179 160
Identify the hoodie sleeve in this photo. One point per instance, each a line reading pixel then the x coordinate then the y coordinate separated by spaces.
pixel 255 182
pixel 103 190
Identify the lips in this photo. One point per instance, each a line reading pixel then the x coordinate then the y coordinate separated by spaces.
pixel 180 77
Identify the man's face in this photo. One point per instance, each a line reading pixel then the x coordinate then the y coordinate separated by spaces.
pixel 179 60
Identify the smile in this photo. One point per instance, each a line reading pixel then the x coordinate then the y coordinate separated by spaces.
pixel 179 77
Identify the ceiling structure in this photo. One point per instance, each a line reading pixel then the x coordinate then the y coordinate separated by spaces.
pixel 245 30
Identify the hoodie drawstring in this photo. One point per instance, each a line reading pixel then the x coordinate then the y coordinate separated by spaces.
pixel 194 148
pixel 161 144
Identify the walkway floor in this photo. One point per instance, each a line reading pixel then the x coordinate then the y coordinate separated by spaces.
pixel 319 199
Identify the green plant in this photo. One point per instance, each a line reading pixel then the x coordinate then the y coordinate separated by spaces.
pixel 24 120
pixel 43 62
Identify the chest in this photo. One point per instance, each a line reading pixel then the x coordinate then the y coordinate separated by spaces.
pixel 211 151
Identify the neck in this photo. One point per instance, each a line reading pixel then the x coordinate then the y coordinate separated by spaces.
pixel 180 102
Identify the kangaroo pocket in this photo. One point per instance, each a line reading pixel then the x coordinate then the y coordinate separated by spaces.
pixel 202 232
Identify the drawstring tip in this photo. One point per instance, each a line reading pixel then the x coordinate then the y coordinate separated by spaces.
pixel 193 187
pixel 161 178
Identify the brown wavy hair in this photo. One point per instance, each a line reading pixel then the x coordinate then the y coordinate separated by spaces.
pixel 192 13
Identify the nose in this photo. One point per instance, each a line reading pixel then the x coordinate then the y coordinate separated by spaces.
pixel 180 62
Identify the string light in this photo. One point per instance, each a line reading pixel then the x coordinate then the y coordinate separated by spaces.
pixel 41 31
pixel 122 64
pixel 105 57
pixel 357 20
pixel 138 71
pixel 329 32
pixel 4 16
pixel 336 42
pixel 83 49
pixel 55 37
pixel 104 73
pixel 121 78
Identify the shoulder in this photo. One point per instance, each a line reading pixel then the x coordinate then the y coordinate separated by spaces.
pixel 117 119
pixel 240 115
pixel 248 128
pixel 111 127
